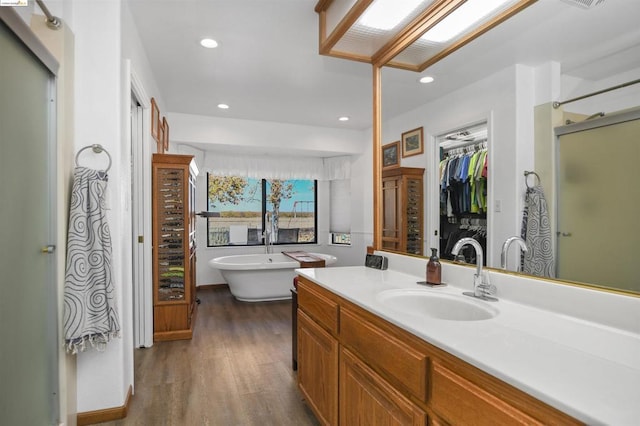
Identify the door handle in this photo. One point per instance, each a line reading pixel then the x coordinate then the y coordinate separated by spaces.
pixel 48 249
pixel 564 234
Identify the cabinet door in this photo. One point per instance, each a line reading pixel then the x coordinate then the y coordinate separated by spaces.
pixel 366 399
pixel 391 215
pixel 460 401
pixel 318 369
pixel 414 216
pixel 169 221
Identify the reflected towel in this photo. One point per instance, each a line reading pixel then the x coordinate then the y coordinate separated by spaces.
pixel 89 315
pixel 536 231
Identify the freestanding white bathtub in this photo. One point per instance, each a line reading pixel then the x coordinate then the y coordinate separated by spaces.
pixel 261 277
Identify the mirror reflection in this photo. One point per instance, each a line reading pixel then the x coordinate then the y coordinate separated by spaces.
pixel 497 95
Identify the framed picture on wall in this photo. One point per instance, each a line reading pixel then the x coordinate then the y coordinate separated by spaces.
pixel 160 143
pixel 412 142
pixel 390 155
pixel 165 134
pixel 155 121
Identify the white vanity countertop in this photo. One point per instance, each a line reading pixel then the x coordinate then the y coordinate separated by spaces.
pixel 587 370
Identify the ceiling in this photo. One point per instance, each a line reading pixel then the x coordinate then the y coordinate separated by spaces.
pixel 267 65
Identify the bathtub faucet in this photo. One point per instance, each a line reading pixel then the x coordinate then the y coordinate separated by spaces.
pixel 267 233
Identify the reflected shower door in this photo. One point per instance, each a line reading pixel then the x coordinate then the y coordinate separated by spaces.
pixel 598 205
pixel 28 300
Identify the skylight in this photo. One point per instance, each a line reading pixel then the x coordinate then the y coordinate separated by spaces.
pixel 462 19
pixel 386 14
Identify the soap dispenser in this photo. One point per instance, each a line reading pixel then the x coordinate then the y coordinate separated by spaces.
pixel 434 269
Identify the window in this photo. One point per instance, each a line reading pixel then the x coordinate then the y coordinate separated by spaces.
pixel 241 208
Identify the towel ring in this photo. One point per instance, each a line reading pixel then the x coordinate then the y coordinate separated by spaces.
pixel 97 148
pixel 526 179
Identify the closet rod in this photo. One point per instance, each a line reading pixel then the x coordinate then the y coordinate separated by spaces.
pixel 53 22
pixel 464 144
pixel 619 86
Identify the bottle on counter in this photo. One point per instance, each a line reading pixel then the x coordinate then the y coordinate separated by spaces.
pixel 434 269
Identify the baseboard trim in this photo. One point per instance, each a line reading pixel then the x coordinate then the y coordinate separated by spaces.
pixel 106 415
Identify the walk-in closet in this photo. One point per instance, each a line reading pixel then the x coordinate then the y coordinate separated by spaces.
pixel 463 188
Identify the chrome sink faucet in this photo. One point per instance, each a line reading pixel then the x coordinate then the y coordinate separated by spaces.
pixel 505 250
pixel 481 289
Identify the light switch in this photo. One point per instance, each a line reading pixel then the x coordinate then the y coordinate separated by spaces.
pixel 498 206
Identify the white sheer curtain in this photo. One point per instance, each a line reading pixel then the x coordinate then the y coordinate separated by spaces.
pixel 330 168
pixel 340 206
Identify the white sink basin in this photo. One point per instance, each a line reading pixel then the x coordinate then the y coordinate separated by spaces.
pixel 441 306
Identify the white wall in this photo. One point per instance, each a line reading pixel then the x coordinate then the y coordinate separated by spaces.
pixel 104 377
pixel 244 135
pixel 615 100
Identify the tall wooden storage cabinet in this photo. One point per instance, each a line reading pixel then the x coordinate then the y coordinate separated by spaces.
pixel 403 209
pixel 174 246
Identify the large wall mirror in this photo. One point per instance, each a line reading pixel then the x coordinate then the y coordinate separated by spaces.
pixel 497 93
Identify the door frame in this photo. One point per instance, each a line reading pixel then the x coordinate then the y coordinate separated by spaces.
pixel 141 213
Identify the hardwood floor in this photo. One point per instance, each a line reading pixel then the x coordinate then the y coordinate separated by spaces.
pixel 235 371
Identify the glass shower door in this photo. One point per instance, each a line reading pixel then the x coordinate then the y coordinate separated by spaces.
pixel 598 204
pixel 28 300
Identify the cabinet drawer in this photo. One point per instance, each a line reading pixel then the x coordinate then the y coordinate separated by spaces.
pixel 317 306
pixel 404 365
pixel 459 401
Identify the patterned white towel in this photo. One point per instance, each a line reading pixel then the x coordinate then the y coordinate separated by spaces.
pixel 536 231
pixel 90 313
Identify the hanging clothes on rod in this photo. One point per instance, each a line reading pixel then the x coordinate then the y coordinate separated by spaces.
pixel 463 179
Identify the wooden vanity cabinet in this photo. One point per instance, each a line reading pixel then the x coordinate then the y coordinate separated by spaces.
pixel 402 215
pixel 388 376
pixel 318 351
pixel 174 246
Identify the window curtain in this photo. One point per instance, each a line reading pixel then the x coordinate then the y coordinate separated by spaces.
pixel 340 206
pixel 330 168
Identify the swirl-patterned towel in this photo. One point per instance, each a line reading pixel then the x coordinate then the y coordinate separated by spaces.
pixel 90 314
pixel 536 231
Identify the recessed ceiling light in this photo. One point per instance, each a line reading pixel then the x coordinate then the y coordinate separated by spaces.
pixel 343 118
pixel 209 43
pixel 223 106
pixel 426 79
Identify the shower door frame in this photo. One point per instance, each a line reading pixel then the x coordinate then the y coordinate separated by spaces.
pixel 31 43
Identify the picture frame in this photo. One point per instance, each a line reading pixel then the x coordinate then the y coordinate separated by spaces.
pixel 412 142
pixel 160 142
pixel 391 155
pixel 155 121
pixel 165 134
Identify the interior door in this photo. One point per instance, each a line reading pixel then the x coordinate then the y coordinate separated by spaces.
pixel 598 204
pixel 28 300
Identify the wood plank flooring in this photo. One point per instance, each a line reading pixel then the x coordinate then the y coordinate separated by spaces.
pixel 235 371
